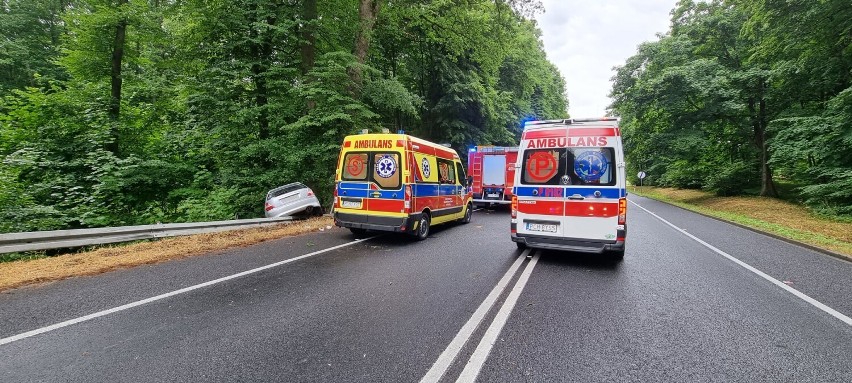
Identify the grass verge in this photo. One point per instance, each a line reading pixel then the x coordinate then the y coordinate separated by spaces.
pixel 770 215
pixel 29 271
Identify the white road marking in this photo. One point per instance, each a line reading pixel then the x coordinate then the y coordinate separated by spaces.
pixel 451 352
pixel 477 360
pixel 763 275
pixel 169 294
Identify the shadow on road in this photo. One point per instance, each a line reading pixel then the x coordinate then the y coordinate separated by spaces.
pixel 579 260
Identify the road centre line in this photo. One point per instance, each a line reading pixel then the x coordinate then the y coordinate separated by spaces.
pixel 442 364
pixel 797 293
pixel 170 294
pixel 480 355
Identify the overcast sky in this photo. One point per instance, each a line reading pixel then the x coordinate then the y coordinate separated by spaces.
pixel 586 38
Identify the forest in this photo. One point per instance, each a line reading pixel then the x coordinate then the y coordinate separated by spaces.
pixel 125 112
pixel 748 97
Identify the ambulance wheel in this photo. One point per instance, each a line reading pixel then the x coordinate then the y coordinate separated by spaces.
pixel 467 214
pixel 617 255
pixel 357 232
pixel 521 245
pixel 422 228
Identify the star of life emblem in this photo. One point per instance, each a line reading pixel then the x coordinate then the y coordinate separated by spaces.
pixel 386 167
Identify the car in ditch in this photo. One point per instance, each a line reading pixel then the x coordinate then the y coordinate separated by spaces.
pixel 294 199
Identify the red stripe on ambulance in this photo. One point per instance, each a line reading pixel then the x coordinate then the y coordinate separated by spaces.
pixel 591 209
pixel 542 207
pixel 386 205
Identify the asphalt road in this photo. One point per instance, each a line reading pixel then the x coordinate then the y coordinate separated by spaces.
pixel 464 304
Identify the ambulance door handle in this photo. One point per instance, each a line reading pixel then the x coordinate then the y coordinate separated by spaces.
pixel 344 192
pixel 577 197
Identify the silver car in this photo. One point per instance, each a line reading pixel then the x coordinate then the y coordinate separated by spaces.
pixel 292 199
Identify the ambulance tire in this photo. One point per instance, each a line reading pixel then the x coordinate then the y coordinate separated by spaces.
pixel 422 227
pixel 521 245
pixel 617 255
pixel 467 214
pixel 357 232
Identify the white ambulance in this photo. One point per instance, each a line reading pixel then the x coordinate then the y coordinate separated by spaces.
pixel 570 187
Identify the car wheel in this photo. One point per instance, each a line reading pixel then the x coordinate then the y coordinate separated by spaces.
pixel 317 211
pixel 467 214
pixel 422 228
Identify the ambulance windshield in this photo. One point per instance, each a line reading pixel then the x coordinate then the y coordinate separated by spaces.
pixel 378 167
pixel 569 166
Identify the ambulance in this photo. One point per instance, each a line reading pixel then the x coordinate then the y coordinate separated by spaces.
pixel 492 170
pixel 570 187
pixel 399 183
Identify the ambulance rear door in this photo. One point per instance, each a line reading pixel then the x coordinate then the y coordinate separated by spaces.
pixel 569 184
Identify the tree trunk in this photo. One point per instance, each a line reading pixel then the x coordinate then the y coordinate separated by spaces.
pixel 308 43
pixel 261 51
pixel 758 122
pixel 368 10
pixel 115 74
pixel 309 39
pixel 767 186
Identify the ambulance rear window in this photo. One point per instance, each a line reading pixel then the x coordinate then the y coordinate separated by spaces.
pixel 386 170
pixel 355 166
pixel 569 166
pixel 378 167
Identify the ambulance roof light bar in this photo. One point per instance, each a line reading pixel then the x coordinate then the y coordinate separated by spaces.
pixel 569 121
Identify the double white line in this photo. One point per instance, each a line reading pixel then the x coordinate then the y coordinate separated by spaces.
pixel 474 364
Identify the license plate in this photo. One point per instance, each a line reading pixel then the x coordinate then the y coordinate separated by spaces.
pixel 350 204
pixel 495 195
pixel 543 227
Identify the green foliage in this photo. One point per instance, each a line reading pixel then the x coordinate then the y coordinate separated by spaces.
pixel 732 179
pixel 217 105
pixel 31 30
pixel 740 91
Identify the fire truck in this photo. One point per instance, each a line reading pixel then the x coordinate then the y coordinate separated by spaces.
pixel 492 169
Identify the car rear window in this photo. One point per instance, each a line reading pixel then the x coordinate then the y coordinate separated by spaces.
pixel 569 166
pixel 284 190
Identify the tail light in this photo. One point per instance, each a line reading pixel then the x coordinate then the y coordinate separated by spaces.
pixel 514 206
pixel 407 198
pixel 310 193
pixel 336 201
pixel 269 206
pixel 622 211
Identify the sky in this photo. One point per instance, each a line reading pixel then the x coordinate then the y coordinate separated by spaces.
pixel 586 38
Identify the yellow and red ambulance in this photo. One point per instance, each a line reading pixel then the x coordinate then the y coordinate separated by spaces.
pixel 571 187
pixel 398 183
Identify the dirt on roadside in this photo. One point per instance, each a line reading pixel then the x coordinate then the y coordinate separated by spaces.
pixel 776 216
pixel 104 259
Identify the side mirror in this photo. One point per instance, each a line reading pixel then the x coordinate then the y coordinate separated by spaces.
pixel 469 181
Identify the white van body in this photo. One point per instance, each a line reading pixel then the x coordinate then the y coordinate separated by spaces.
pixel 570 187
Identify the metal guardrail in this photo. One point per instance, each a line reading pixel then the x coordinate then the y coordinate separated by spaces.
pixel 57 239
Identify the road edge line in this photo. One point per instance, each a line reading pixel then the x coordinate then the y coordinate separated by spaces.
pixel 101 313
pixel 797 293
pixel 823 251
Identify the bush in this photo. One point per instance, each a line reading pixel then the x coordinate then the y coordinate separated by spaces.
pixel 732 179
